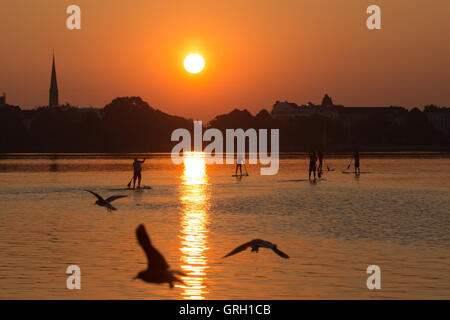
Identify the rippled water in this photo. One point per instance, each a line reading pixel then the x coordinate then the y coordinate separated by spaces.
pixel 396 217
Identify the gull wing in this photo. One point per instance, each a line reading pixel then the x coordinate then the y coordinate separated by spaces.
pixel 280 253
pixel 239 249
pixel 99 197
pixel 109 206
pixel 181 273
pixel 155 259
pixel 112 198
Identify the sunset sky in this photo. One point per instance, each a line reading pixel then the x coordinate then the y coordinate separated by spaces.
pixel 256 52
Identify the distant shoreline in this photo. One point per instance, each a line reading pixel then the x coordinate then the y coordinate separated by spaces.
pixel 283 155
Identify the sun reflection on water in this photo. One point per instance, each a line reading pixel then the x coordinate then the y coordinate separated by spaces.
pixel 194 234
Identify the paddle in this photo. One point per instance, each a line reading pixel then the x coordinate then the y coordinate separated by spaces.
pixel 129 183
pixel 348 167
pixel 246 173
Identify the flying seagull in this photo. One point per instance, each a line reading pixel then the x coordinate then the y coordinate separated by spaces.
pixel 105 203
pixel 255 245
pixel 157 268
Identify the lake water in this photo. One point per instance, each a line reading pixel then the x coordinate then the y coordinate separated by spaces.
pixel 396 216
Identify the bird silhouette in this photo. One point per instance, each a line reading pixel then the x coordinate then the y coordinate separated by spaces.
pixel 255 244
pixel 157 267
pixel 105 203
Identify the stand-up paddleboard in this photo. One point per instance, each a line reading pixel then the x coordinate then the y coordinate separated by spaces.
pixel 240 175
pixel 142 188
pixel 295 180
pixel 353 172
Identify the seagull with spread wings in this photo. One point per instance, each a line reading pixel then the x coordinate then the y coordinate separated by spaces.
pixel 255 245
pixel 157 267
pixel 105 203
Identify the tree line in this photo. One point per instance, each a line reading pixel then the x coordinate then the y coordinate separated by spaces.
pixel 129 124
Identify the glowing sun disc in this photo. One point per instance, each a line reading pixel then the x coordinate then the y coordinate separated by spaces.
pixel 194 63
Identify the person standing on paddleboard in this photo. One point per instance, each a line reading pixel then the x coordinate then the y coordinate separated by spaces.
pixel 312 164
pixel 137 169
pixel 239 162
pixel 320 155
pixel 356 157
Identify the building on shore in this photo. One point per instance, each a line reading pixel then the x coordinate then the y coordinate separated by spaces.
pixel 350 118
pixel 439 118
pixel 288 110
pixel 348 115
pixel 355 115
pixel 3 99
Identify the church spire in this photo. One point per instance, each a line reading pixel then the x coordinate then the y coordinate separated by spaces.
pixel 53 97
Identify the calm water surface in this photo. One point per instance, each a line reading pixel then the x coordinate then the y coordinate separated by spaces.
pixel 396 216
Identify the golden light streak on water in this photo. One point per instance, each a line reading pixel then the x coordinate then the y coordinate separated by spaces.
pixel 194 234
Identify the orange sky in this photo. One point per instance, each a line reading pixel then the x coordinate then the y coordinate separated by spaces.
pixel 256 52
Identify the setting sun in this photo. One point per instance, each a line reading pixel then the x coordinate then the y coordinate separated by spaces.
pixel 194 63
